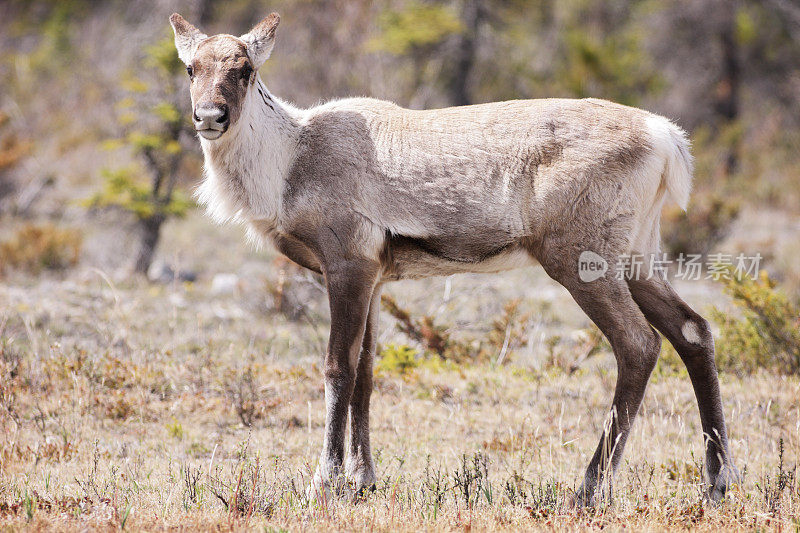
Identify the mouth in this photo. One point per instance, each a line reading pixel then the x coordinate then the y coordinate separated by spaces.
pixel 210 134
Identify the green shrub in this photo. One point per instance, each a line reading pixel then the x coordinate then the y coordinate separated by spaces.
pixel 397 359
pixel 124 188
pixel 508 332
pixel 767 332
pixel 424 330
pixel 175 429
pixel 697 230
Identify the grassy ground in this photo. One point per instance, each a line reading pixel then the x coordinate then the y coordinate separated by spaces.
pixel 125 404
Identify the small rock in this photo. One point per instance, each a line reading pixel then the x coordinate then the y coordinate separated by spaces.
pixel 225 283
pixel 163 273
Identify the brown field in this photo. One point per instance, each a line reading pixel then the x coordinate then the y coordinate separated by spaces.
pixel 139 406
pixel 130 402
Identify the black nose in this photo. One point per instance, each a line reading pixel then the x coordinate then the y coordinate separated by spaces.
pixel 208 115
pixel 223 118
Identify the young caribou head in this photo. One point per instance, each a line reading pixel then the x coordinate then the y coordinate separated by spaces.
pixel 221 69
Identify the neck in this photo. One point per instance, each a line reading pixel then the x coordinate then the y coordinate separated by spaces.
pixel 246 168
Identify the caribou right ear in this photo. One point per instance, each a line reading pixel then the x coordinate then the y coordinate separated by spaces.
pixel 187 37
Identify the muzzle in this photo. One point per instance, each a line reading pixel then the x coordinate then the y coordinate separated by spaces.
pixel 211 120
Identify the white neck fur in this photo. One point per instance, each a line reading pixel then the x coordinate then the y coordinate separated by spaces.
pixel 246 168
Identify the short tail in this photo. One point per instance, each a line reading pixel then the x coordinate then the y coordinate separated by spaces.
pixel 672 144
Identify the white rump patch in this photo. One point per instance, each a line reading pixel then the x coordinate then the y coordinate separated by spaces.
pixel 690 332
pixel 672 145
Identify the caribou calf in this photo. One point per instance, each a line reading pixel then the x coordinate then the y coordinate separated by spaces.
pixel 366 192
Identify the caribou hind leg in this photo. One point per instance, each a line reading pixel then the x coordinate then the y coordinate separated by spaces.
pixel 608 303
pixel 690 335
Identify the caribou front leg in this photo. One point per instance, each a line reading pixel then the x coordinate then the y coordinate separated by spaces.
pixel 350 288
pixel 360 469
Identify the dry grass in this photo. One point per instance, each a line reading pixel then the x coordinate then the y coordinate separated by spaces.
pixel 37 247
pixel 125 405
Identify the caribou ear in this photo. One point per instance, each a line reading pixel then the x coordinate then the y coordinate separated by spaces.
pixel 261 38
pixel 187 37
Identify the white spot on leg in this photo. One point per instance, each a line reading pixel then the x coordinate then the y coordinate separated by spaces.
pixel 690 332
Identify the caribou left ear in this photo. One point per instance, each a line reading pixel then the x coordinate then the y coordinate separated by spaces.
pixel 187 37
pixel 261 39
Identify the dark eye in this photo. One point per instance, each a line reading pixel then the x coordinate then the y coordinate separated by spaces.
pixel 190 71
pixel 246 71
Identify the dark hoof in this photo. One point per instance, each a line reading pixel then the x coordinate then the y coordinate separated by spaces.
pixel 721 485
pixel 582 499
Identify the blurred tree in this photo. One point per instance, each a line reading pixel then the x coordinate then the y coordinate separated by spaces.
pixel 415 28
pixel 728 58
pixel 22 73
pixel 473 13
pixel 602 52
pixel 417 31
pixel 728 87
pixel 573 48
pixel 744 79
pixel 153 126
